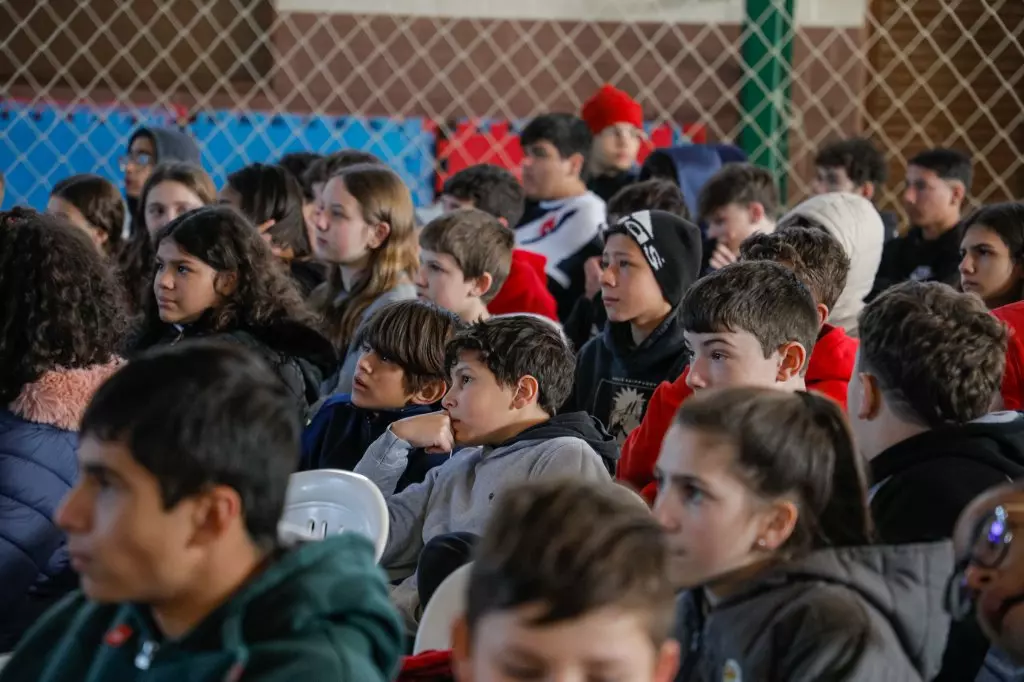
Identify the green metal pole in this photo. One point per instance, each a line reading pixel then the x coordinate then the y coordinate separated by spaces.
pixel 765 96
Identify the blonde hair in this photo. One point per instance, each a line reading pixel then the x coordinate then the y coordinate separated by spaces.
pixel 383 198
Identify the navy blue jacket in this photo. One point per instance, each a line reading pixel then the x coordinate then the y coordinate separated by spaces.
pixel 340 433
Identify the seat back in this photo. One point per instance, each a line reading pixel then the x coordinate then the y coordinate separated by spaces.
pixel 327 502
pixel 447 604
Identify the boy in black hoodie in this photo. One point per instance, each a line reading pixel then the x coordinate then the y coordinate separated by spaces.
pixel 650 259
pixel 928 372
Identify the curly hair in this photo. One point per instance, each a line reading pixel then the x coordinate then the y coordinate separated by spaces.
pixel 938 354
pixel 59 302
pixel 135 262
pixel 223 239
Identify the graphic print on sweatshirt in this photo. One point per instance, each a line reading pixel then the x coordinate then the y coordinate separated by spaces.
pixel 621 404
pixel 563 229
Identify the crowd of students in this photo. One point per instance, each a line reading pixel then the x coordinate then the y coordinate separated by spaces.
pixel 745 444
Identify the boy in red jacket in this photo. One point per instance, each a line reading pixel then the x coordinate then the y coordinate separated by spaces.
pixel 494 190
pixel 820 263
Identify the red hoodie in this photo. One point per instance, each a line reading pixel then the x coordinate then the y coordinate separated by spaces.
pixel 526 289
pixel 1013 378
pixel 828 372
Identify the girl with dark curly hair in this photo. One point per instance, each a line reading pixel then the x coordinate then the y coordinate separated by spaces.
pixel 215 276
pixel 171 190
pixel 60 326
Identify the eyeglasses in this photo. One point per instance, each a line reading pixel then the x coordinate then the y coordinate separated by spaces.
pixel 990 544
pixel 143 160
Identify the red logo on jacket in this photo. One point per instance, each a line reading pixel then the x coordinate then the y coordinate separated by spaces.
pixel 118 635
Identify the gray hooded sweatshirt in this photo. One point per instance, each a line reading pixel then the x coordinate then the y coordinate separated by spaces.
pixel 459 495
pixel 857 614
pixel 857 226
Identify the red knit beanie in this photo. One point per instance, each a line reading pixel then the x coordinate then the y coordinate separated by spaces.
pixel 609 106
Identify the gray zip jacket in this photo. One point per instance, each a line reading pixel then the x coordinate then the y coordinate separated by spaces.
pixel 857 614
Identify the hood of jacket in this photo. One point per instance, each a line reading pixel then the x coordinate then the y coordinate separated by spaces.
pixel 904 585
pixel 171 145
pixel 664 343
pixel 299 341
pixel 526 288
pixel 577 425
pixel 856 225
pixel 59 397
pixel 833 357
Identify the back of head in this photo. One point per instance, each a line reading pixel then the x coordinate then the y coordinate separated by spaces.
pixel 321 170
pixel 937 354
pixel 742 184
pixel 858 156
pixel 572 548
pixel 492 189
pixel 1007 221
pixel 223 239
pixel 656 194
pixel 59 302
pixel 566 133
pixel 948 164
pixel 413 335
pixel 764 299
pixel 792 445
pixel 270 193
pixel 514 346
pixel 298 163
pixel 200 414
pixel 99 202
pixel 813 255
pixel 477 242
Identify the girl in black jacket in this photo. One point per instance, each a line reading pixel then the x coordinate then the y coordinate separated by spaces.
pixel 215 276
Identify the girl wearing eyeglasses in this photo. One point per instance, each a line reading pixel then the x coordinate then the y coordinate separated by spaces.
pixel 146 148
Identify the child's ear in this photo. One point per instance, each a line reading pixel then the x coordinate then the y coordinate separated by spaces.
pixel 213 514
pixel 783 515
pixel 793 357
pixel 822 314
pixel 430 393
pixel 576 162
pixel 871 402
pixel 379 234
pixel 481 285
pixel 461 650
pixel 527 391
pixel 225 283
pixel 958 193
pixel 757 212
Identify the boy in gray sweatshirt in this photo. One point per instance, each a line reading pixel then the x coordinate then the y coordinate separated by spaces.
pixel 508 377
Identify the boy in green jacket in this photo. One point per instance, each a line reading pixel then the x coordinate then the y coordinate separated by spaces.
pixel 184 461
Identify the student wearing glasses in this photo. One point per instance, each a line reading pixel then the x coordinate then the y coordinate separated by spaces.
pixel 146 148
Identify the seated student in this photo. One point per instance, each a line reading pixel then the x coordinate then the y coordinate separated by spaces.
pixel 496 191
pixel 509 376
pixel 854 166
pixel 272 201
pixel 93 205
pixel 588 316
pixel 651 258
pixel 147 148
pixel 738 201
pixel 764 500
pixel 751 324
pixel 929 369
pixel 215 276
pixel 992 254
pixel 566 223
pixel 184 458
pixel 854 223
pixel 569 581
pixel 989 576
pixel 401 373
pixel 938 181
pixel 617 122
pixel 465 256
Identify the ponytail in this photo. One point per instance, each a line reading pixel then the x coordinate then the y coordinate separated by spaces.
pixel 793 446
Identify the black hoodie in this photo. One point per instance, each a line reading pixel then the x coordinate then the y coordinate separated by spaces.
pixel 616 378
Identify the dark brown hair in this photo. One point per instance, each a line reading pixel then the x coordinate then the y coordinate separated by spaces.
pixel 413 335
pixel 815 256
pixel 650 195
pixel 492 189
pixel 476 241
pixel 859 157
pixel 761 298
pixel 99 202
pixel 938 354
pixel 515 346
pixel 739 183
pixel 223 239
pixel 572 548
pixel 271 193
pixel 59 302
pixel 794 445
pixel 322 169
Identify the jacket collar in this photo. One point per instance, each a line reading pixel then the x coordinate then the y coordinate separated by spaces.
pixel 59 397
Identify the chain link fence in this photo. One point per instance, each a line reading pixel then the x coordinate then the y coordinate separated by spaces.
pixel 429 89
